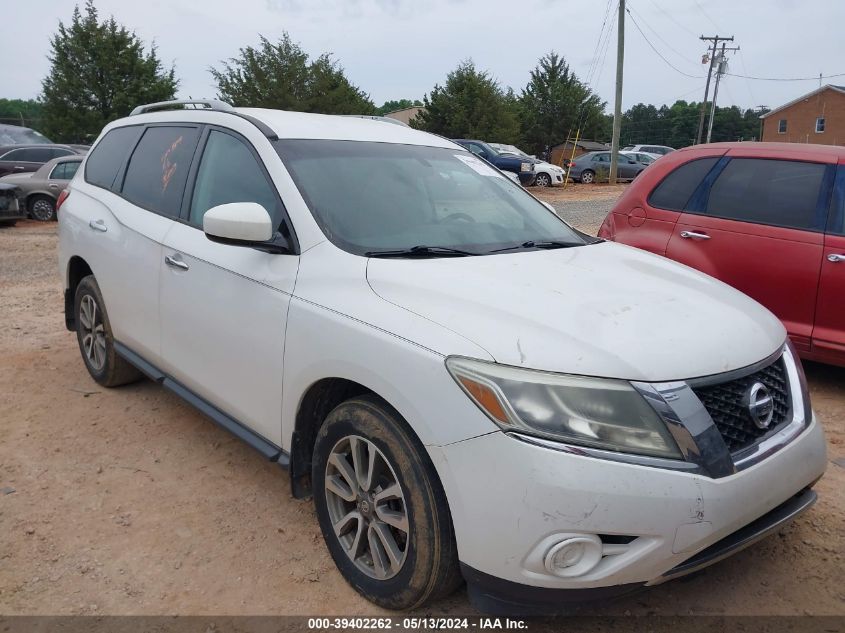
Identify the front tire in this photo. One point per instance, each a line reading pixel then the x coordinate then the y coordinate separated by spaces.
pixel 381 508
pixel 42 208
pixel 543 180
pixel 588 177
pixel 94 334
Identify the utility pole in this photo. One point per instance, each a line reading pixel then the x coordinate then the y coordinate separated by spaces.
pixel 721 65
pixel 617 107
pixel 712 54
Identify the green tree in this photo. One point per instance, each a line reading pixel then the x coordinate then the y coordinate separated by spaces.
pixel 397 104
pixel 279 75
pixel 471 104
pixel 555 104
pixel 26 112
pixel 99 72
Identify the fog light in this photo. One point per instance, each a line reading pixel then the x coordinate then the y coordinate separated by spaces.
pixel 574 556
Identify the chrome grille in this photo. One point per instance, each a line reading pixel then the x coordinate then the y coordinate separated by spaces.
pixel 725 404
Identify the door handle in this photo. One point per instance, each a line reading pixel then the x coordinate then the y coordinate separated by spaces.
pixel 175 262
pixel 18 168
pixel 694 235
pixel 836 258
pixel 98 225
pixel 53 186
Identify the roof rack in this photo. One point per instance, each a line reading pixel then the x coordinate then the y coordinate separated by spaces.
pixel 207 104
pixel 374 117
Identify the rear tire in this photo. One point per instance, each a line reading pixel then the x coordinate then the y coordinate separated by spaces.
pixel 94 334
pixel 386 523
pixel 42 208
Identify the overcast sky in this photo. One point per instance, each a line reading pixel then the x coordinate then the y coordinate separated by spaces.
pixel 401 48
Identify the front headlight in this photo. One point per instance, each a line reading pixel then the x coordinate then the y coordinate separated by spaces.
pixel 597 412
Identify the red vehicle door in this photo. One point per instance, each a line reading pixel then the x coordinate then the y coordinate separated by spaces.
pixel 829 333
pixel 758 225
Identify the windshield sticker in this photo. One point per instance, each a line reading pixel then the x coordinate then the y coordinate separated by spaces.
pixel 478 166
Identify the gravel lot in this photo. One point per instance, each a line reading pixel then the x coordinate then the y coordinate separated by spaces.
pixel 127 501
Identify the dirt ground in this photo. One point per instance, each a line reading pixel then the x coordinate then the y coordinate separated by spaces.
pixel 127 501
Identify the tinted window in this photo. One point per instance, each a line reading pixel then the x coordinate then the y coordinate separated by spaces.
pixel 64 171
pixel 675 190
pixel 42 155
pixel 157 171
pixel 15 154
pixel 57 152
pixel 779 192
pixel 107 157
pixel 229 172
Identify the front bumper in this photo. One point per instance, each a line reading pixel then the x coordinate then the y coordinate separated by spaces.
pixel 511 501
pixel 493 595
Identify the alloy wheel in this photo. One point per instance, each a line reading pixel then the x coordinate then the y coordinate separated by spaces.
pixel 93 332
pixel 367 507
pixel 543 180
pixel 42 210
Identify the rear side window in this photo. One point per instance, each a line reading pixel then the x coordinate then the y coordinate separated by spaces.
pixel 157 171
pixel 106 159
pixel 675 190
pixel 229 172
pixel 779 192
pixel 64 171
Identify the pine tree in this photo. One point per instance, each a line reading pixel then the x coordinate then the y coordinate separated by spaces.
pixel 280 76
pixel 471 104
pixel 99 72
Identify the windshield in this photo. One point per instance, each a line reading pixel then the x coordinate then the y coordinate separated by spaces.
pixel 369 197
pixel 14 135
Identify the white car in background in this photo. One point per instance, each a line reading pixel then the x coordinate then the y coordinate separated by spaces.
pixel 469 388
pixel 660 150
pixel 548 175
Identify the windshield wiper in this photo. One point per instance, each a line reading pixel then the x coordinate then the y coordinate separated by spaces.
pixel 544 244
pixel 421 251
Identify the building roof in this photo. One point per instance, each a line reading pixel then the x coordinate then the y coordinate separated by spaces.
pixel 802 97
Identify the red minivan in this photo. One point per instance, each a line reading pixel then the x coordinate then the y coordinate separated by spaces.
pixel 766 218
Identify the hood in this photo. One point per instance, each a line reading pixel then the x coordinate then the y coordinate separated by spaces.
pixel 599 310
pixel 13 178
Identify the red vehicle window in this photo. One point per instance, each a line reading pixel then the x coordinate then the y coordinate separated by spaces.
pixel 677 188
pixel 774 192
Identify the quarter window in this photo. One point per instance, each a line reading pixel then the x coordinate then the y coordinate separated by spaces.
pixel 107 157
pixel 820 125
pixel 782 126
pixel 779 192
pixel 64 171
pixel 675 190
pixel 157 172
pixel 229 172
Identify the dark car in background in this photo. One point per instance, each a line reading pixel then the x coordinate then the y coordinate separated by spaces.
pixel 39 191
pixel 16 159
pixel 595 166
pixel 522 167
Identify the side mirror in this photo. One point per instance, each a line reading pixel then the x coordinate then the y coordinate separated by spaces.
pixel 239 221
pixel 243 224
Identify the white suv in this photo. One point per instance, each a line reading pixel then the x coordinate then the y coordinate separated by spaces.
pixel 468 387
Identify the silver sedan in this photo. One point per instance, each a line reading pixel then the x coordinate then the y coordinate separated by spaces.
pixel 40 190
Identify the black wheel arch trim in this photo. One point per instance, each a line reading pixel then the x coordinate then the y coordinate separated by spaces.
pixel 269 450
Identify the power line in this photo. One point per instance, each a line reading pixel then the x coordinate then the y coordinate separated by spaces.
pixel 669 15
pixel 816 78
pixel 668 63
pixel 660 37
pixel 706 15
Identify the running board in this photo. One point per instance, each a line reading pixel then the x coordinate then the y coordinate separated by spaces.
pixel 269 450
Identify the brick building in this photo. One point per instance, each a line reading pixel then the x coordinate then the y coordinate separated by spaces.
pixel 817 117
